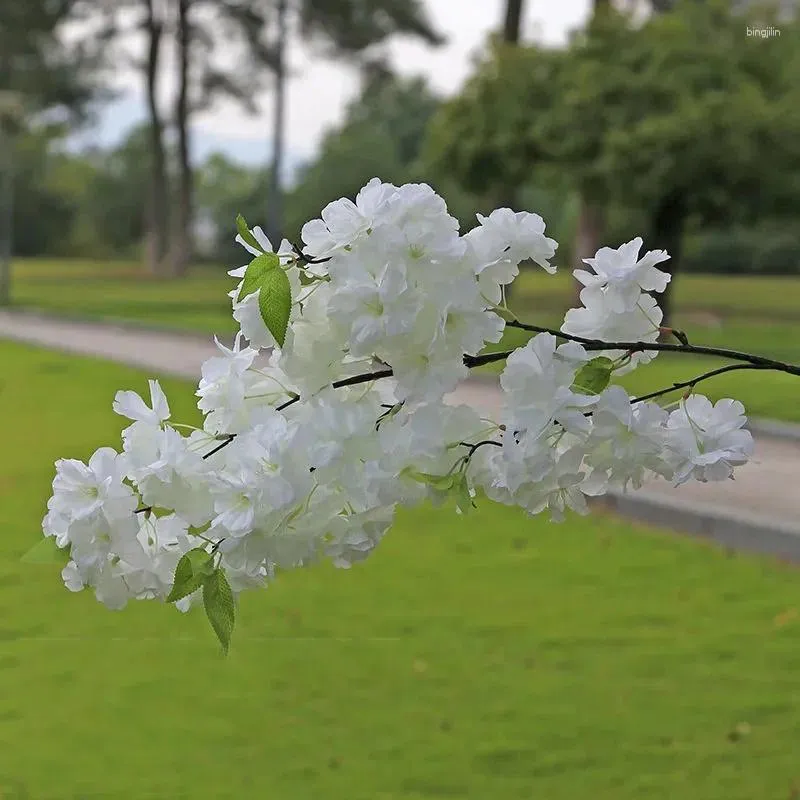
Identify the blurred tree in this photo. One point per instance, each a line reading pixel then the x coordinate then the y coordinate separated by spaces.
pixel 117 204
pixel 40 72
pixel 348 30
pixel 38 63
pixel 513 21
pixel 512 28
pixel 119 21
pixel 225 189
pixel 256 33
pixel 381 136
pixel 223 52
pixel 683 117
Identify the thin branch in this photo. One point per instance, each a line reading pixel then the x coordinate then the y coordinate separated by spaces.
pixel 225 443
pixel 474 447
pixel 692 383
pixel 633 347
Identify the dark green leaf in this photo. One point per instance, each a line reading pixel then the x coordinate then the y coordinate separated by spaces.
pixel 219 605
pixel 275 303
pixel 257 269
pixel 46 552
pixel 190 573
pixel 245 233
pixel 594 376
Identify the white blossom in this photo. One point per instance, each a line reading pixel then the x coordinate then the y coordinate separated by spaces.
pixel 305 454
pixel 707 441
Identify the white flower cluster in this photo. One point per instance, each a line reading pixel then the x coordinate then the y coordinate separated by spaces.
pixel 302 457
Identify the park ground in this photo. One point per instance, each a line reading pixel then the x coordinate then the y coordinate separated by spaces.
pixel 491 656
pixel 755 314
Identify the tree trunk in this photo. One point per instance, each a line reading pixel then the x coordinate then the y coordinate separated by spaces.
pixel 513 21
pixel 591 219
pixel 509 195
pixel 588 236
pixel 157 240
pixel 275 198
pixel 668 223
pixel 182 239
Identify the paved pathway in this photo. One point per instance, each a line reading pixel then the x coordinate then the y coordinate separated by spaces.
pixel 763 498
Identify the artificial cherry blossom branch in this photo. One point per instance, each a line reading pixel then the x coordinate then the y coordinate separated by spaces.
pixel 597 344
pixel 692 383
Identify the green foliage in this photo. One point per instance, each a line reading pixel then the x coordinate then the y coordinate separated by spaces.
pixel 346 29
pixel 593 376
pixel 246 234
pixel 275 303
pixel 265 275
pixel 381 136
pixel 683 105
pixel 489 135
pixel 192 571
pixel 225 190
pixel 256 272
pixel 46 69
pixel 741 251
pixel 219 605
pixel 196 570
pixel 454 484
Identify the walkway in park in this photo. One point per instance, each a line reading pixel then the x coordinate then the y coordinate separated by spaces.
pixel 759 510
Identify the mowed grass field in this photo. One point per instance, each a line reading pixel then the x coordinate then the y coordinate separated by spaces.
pixel 486 657
pixel 754 314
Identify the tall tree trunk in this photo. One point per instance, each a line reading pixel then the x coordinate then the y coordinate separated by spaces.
pixel 591 218
pixel 513 21
pixel 275 198
pixel 157 223
pixel 666 233
pixel 588 234
pixel 182 239
pixel 512 26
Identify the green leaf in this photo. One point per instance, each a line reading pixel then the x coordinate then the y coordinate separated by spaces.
pixel 46 552
pixel 256 271
pixel 464 501
pixel 442 483
pixel 275 303
pixel 594 376
pixel 220 609
pixel 192 570
pixel 245 233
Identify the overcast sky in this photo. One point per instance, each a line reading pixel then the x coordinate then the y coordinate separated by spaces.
pixel 319 91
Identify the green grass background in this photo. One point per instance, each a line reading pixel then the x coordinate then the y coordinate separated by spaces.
pixel 487 657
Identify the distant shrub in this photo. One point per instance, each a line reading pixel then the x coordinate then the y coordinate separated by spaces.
pixel 742 252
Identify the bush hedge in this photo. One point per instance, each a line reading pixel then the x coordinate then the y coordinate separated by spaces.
pixel 742 252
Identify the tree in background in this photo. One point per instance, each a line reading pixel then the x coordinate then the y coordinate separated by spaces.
pixel 681 118
pixel 225 189
pixel 251 36
pixel 382 135
pixel 347 30
pixel 223 51
pixel 40 73
pixel 119 20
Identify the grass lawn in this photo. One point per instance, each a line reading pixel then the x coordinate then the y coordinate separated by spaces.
pixel 122 291
pixel 489 657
